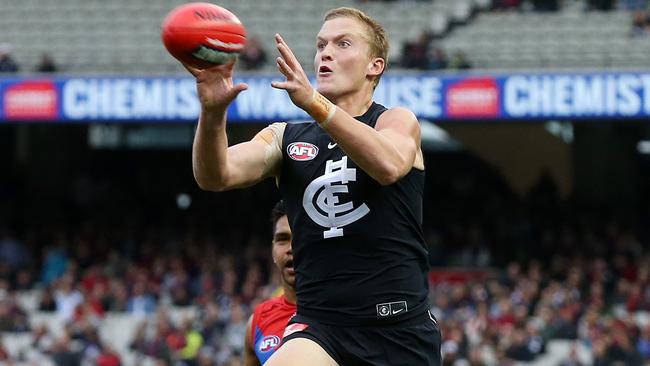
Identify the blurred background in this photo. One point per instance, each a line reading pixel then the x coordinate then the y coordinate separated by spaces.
pixel 535 128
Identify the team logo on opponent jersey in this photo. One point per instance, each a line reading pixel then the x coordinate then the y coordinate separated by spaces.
pixel 324 192
pixel 294 327
pixel 269 343
pixel 302 151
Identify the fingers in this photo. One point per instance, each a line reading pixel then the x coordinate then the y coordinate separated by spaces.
pixel 284 68
pixel 286 52
pixel 234 92
pixel 281 85
pixel 192 70
pixel 225 69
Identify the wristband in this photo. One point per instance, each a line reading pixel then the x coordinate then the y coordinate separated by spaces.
pixel 321 109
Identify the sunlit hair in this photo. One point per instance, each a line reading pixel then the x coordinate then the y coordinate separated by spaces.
pixel 376 35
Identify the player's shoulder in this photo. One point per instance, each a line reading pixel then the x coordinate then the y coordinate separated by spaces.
pixel 299 125
pixel 402 112
pixel 398 115
pixel 270 304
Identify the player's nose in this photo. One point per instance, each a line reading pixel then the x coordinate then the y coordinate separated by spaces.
pixel 326 53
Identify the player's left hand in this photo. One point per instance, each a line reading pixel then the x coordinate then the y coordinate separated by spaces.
pixel 297 83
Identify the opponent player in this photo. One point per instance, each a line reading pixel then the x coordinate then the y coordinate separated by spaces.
pixel 266 326
pixel 352 180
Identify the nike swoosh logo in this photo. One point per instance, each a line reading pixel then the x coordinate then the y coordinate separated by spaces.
pixel 331 145
pixel 397 311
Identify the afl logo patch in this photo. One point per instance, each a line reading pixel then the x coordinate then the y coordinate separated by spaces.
pixel 269 343
pixel 302 151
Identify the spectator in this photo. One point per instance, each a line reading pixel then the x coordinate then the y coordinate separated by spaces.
pixel 253 56
pixel 46 302
pixel 415 54
pixel 55 262
pixel 602 5
pixel 64 353
pixel 67 298
pixel 438 59
pixel 4 353
pixel 622 350
pixel 643 344
pixel 12 317
pixel 108 357
pixel 518 349
pixel 12 252
pixel 633 5
pixel 235 330
pixel 42 339
pixel 506 4
pixel 7 63
pixel 140 302
pixel 546 5
pixel 640 24
pixel 119 299
pixel 572 359
pixel 459 62
pixel 193 343
pixel 46 64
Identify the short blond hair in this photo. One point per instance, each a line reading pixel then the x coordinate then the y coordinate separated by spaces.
pixel 376 35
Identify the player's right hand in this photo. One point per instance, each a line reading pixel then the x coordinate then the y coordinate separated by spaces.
pixel 215 87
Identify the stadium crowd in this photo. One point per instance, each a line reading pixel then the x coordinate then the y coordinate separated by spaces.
pixel 547 269
pixel 425 53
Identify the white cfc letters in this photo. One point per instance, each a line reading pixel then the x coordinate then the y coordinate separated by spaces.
pixel 323 191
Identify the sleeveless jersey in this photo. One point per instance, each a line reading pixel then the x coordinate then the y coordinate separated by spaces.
pixel 359 252
pixel 269 320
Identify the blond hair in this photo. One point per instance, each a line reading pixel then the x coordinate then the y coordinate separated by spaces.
pixel 376 35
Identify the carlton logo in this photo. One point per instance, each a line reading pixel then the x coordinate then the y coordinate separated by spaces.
pixel 302 151
pixel 268 343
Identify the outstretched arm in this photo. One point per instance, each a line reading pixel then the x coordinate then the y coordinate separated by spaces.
pixel 216 166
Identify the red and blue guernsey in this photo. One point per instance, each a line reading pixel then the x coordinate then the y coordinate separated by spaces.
pixel 269 320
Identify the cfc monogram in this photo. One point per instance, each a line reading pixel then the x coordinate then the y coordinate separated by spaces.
pixel 323 190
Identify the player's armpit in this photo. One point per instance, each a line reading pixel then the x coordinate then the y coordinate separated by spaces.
pixel 250 359
pixel 271 136
pixel 253 161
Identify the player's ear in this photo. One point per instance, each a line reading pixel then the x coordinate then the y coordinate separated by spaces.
pixel 376 66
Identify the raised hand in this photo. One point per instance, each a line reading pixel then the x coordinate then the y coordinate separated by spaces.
pixel 297 83
pixel 215 87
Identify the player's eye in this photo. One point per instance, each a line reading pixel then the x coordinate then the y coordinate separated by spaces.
pixel 282 238
pixel 344 44
pixel 320 45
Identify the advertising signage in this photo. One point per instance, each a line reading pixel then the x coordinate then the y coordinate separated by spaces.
pixel 437 97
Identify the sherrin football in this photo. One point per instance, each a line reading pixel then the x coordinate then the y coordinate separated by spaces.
pixel 203 34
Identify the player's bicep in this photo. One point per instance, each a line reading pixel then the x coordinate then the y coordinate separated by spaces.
pixel 250 359
pixel 255 160
pixel 401 128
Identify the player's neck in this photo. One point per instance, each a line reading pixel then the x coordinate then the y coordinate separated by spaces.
pixel 355 104
pixel 289 293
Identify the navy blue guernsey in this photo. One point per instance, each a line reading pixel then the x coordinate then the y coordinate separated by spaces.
pixel 359 252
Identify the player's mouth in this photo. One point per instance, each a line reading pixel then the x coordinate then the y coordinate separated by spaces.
pixel 289 267
pixel 324 71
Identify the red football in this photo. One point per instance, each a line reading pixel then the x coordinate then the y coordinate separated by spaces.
pixel 203 34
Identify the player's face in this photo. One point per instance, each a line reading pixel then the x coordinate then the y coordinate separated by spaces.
pixel 342 60
pixel 282 255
